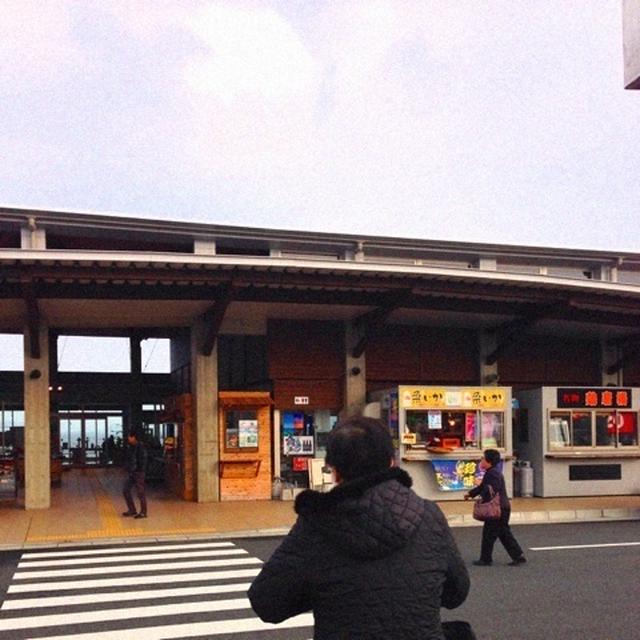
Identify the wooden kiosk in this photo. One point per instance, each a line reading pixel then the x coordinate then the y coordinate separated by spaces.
pixel 244 424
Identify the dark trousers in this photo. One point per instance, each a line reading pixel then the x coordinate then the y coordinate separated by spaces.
pixel 499 529
pixel 135 480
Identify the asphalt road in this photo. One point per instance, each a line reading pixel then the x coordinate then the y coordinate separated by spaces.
pixel 586 593
pixel 176 589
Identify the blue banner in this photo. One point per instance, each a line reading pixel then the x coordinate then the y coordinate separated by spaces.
pixel 458 475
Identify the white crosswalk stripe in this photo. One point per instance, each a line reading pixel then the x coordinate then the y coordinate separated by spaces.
pixel 119 551
pixel 129 568
pixel 184 591
pixel 215 553
pixel 135 580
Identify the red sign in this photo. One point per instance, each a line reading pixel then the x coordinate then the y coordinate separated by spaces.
pixel 298 463
pixel 588 398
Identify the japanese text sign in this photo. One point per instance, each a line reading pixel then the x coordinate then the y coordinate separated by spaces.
pixel 457 398
pixel 594 398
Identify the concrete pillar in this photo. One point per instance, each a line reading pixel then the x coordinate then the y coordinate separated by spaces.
pixel 204 246
pixel 488 344
pixel 610 355
pixel 135 351
pixel 32 238
pixel 37 446
pixel 55 394
pixel 204 390
pixel 487 264
pixel 355 379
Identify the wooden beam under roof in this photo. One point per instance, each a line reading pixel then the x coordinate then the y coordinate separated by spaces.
pixel 372 321
pixel 509 332
pixel 214 316
pixel 631 348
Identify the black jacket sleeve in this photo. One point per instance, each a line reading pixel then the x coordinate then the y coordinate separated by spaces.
pixel 491 478
pixel 281 590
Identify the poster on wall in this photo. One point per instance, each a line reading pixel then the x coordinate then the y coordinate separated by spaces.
pixel 297 423
pixel 247 433
pixel 491 430
pixel 299 463
pixel 435 419
pixel 470 422
pixel 287 424
pixel 298 445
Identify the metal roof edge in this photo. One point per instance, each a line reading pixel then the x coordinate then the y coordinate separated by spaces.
pixel 202 229
pixel 111 258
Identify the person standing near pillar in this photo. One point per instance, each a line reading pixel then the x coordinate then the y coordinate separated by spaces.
pixel 136 468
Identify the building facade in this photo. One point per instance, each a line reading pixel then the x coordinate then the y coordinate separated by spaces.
pixel 276 334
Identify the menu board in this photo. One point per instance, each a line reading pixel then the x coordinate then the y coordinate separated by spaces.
pixel 247 433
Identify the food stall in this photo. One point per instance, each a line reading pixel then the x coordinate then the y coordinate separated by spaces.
pixel 581 441
pixel 441 432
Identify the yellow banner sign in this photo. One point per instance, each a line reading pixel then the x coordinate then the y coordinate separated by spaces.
pixel 452 398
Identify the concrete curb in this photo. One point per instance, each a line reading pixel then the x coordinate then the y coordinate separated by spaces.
pixel 455 520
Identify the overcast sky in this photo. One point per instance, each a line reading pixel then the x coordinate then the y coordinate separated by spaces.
pixel 489 121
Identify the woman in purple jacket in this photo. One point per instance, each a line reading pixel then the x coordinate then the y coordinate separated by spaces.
pixel 494 529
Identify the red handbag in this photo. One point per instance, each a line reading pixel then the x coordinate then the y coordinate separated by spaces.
pixel 489 510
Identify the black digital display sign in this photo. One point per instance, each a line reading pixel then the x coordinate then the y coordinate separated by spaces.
pixel 596 398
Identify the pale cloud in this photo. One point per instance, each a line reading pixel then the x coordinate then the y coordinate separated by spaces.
pixel 405 117
pixel 252 52
pixel 145 20
pixel 37 44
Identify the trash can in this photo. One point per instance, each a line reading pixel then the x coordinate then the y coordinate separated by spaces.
pixel 526 479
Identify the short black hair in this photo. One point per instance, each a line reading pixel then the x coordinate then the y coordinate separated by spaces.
pixel 359 446
pixel 492 456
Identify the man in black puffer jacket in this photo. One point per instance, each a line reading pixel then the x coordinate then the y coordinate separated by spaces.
pixel 370 558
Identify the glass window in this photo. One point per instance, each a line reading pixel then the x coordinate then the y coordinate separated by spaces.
pixel 606 429
pixel 455 429
pixel 11 352
pixel 94 354
pixel 581 429
pixel 492 429
pixel 609 429
pixel 241 430
pixel 471 435
pixel 559 430
pixel 627 428
pixel 156 355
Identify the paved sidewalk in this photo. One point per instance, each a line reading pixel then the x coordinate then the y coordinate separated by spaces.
pixel 87 509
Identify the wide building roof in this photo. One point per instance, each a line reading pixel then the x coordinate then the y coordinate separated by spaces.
pixel 87 271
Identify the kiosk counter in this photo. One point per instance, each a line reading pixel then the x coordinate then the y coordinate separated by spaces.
pixel 441 432
pixel 582 441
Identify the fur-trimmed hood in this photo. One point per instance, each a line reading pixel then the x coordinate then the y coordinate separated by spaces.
pixel 369 517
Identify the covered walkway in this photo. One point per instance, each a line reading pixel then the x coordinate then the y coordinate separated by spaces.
pixel 87 507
